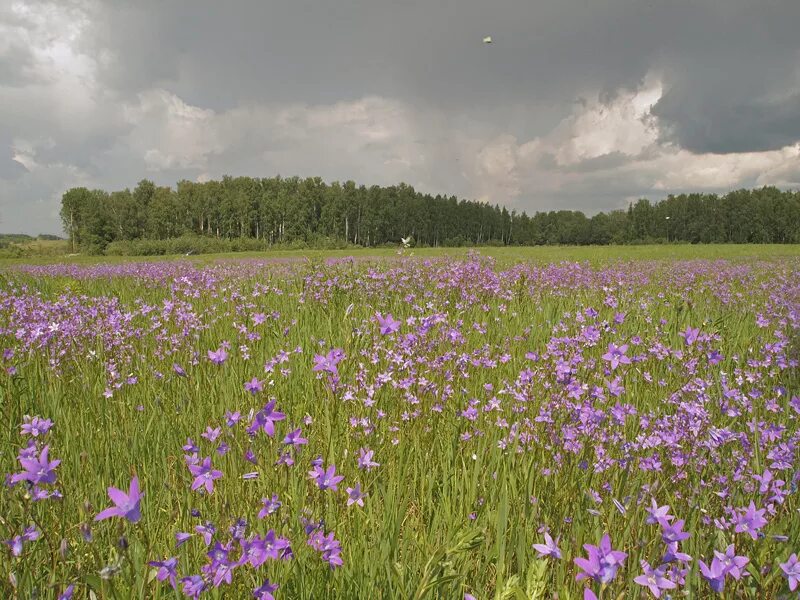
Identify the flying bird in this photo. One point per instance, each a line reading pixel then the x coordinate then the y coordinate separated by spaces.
pixel 406 241
pixel 487 39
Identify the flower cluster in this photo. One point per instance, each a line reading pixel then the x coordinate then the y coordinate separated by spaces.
pixel 430 397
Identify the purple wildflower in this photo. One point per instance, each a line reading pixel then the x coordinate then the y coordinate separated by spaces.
pixel 207 530
pixel 221 567
pixel 238 529
pixel 126 506
pixel 67 593
pixel 328 363
pixel 265 419
pixel 31 533
pixel 603 561
pixel 270 507
pixel 328 546
pixel 355 496
pixel 254 552
pixel 732 564
pixel 714 574
pixel 167 569
pixel 791 570
pixel 657 513
pixel 616 355
pixel 277 547
pixel 673 554
pixel 35 426
pixel 223 572
pixel 211 434
pixel 326 479
pixel 750 520
pixel 264 592
pixel 387 324
pixel 766 481
pixel 204 475
pixel 654 579
pixel 218 356
pixel 365 459
pixel 86 532
pixel 285 458
pixel 193 586
pixel 253 386
pixel 549 548
pixel 37 470
pixel 294 438
pixel 15 544
pixel 690 335
pixel 672 533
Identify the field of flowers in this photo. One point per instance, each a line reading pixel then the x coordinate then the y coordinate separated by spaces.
pixel 407 428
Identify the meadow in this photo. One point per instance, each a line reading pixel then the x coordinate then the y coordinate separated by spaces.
pixel 509 423
pixel 50 252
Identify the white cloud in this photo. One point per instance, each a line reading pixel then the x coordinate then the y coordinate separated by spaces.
pixel 623 125
pixel 620 140
pixel 497 169
pixel 682 169
pixel 169 133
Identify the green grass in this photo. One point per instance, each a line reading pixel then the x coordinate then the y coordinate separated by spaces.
pixel 416 536
pixel 541 254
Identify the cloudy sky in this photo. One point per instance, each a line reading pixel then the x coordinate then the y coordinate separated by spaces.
pixel 578 104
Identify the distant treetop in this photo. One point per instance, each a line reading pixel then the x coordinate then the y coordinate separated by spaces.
pixel 289 210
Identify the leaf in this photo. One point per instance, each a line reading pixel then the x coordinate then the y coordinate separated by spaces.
pixel 93 581
pixel 502 522
pixel 536 583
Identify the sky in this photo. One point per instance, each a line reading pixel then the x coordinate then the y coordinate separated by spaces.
pixel 576 104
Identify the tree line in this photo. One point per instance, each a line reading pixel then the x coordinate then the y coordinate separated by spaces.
pixel 284 211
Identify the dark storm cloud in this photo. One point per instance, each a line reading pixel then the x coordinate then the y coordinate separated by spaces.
pixel 105 93
pixel 736 123
pixel 734 84
pixel 727 63
pixel 214 55
pixel 220 55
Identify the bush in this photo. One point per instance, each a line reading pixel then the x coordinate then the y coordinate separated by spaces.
pixel 456 242
pixel 13 251
pixel 191 244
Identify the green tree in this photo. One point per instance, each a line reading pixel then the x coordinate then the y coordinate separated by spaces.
pixel 74 205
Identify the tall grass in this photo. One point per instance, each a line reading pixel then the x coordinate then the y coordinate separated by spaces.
pixel 490 411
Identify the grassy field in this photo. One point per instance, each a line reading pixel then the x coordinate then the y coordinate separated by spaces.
pixel 472 405
pixel 540 254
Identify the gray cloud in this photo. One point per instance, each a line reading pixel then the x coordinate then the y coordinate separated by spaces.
pixel 9 168
pixel 731 123
pixel 576 104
